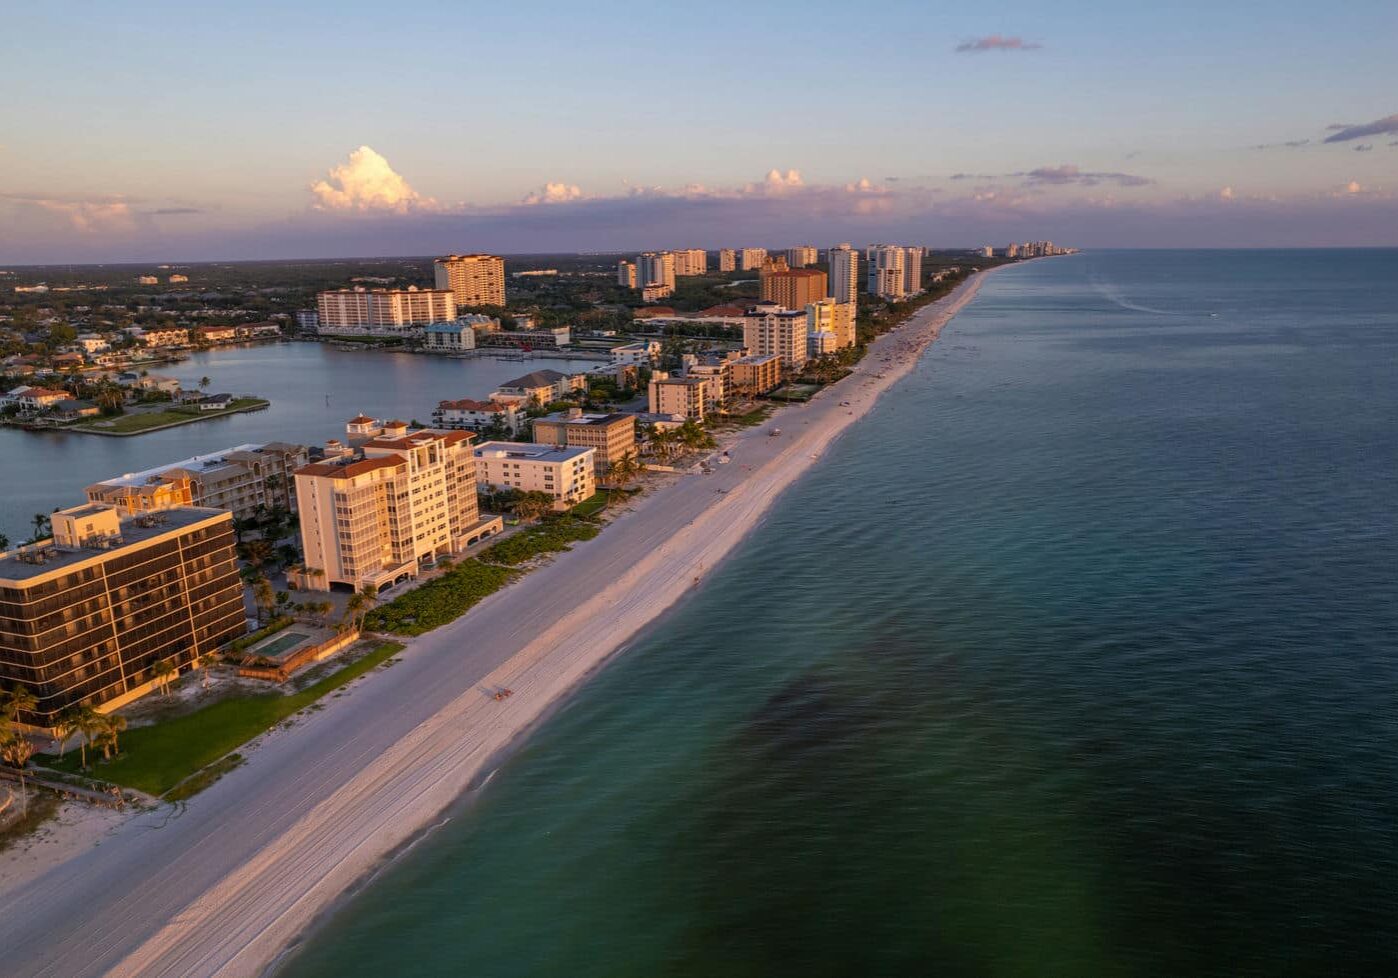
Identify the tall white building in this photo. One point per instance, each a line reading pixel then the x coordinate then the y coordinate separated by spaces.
pixel 888 271
pixel 475 280
pixel 801 256
pixel 384 308
pixel 912 271
pixel 691 261
pixel 655 273
pixel 727 260
pixel 770 329
pixel 626 274
pixel 751 259
pixel 844 273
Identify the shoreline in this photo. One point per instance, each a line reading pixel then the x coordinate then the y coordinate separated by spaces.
pixel 359 804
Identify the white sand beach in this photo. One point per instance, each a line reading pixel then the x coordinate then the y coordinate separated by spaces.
pixel 223 884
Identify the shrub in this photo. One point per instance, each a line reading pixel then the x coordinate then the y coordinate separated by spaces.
pixel 439 600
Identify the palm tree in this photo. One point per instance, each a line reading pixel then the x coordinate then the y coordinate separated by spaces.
pixel 257 553
pixel 532 505
pixel 206 662
pixel 89 723
pixel 4 543
pixel 625 470
pixel 264 597
pixel 63 727
pixel 204 383
pixel 165 671
pixel 18 700
pixel 17 749
pixel 112 726
pixel 41 524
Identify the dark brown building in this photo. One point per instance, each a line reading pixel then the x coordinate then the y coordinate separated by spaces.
pixel 88 616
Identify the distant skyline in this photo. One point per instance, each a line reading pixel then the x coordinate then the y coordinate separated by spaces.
pixel 161 132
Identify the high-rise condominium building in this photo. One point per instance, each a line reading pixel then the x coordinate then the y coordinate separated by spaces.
pixel 844 273
pixel 887 271
pixel 727 260
pixel 381 515
pixel 475 280
pixel 794 288
pixel 769 329
pixel 88 616
pixel 801 256
pixel 838 318
pixel 626 274
pixel 679 397
pixel 241 480
pixel 655 273
pixel 751 259
pixel 691 261
pixel 912 271
pixel 385 308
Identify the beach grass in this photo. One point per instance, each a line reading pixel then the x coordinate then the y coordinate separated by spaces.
pixel 592 505
pixel 552 535
pixel 440 600
pixel 158 758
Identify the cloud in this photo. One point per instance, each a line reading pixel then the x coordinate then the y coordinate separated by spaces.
pixel 365 182
pixel 177 210
pixel 995 42
pixel 779 181
pixel 1289 144
pixel 1226 193
pixel 1379 127
pixel 86 214
pixel 1363 147
pixel 553 193
pixel 1070 173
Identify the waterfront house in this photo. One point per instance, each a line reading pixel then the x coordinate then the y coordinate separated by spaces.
pixel 477 415
pixel 540 387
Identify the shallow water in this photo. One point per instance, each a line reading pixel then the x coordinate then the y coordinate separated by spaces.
pixel 1075 657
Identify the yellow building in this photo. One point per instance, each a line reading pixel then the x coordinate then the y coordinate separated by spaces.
pixel 680 397
pixel 88 616
pixel 474 280
pixel 382 515
pixel 754 375
pixel 612 435
pixel 828 316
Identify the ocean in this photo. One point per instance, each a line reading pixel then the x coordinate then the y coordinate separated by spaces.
pixel 1076 656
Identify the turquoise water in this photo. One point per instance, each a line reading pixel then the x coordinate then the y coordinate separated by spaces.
pixel 1075 657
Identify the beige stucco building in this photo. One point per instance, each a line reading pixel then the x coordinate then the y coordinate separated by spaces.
pixel 612 435
pixel 383 514
pixel 680 397
pixel 755 374
pixel 474 280
pixel 567 474
pixel 240 479
pixel 389 309
pixel 770 329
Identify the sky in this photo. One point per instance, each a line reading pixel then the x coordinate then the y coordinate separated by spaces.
pixel 147 131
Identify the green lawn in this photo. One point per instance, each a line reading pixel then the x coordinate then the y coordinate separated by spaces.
pixel 130 424
pixel 155 759
pixel 592 505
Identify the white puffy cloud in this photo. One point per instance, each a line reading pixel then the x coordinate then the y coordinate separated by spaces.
pixel 554 193
pixel 366 182
pixel 112 212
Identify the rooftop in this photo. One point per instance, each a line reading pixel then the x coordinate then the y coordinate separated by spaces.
pixel 199 463
pixel 529 452
pixel 25 563
pixel 537 378
pixel 600 420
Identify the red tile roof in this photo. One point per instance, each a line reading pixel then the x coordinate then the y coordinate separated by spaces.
pixel 333 470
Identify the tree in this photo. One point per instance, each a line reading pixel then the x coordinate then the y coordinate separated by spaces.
pixel 42 526
pixel 358 606
pixel 625 470
pixel 264 596
pixel 257 553
pixel 17 749
pixel 204 383
pixel 206 662
pixel 4 543
pixel 19 699
pixel 64 725
pixel 165 672
pixel 89 723
pixel 112 726
pixel 532 505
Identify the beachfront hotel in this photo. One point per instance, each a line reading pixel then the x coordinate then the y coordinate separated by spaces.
pixel 677 397
pixel 568 474
pixel 241 480
pixel 384 309
pixel 770 329
pixel 473 280
pixel 612 435
pixel 88 616
pixel 755 374
pixel 828 316
pixel 382 514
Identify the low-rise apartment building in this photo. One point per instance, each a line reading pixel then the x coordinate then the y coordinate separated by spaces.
pixel 88 616
pixel 612 435
pixel 381 515
pixel 567 474
pixel 527 339
pixel 160 336
pixel 540 387
pixel 718 377
pixel 640 352
pixel 679 397
pixel 754 375
pixel 477 415
pixel 456 337
pixel 241 480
